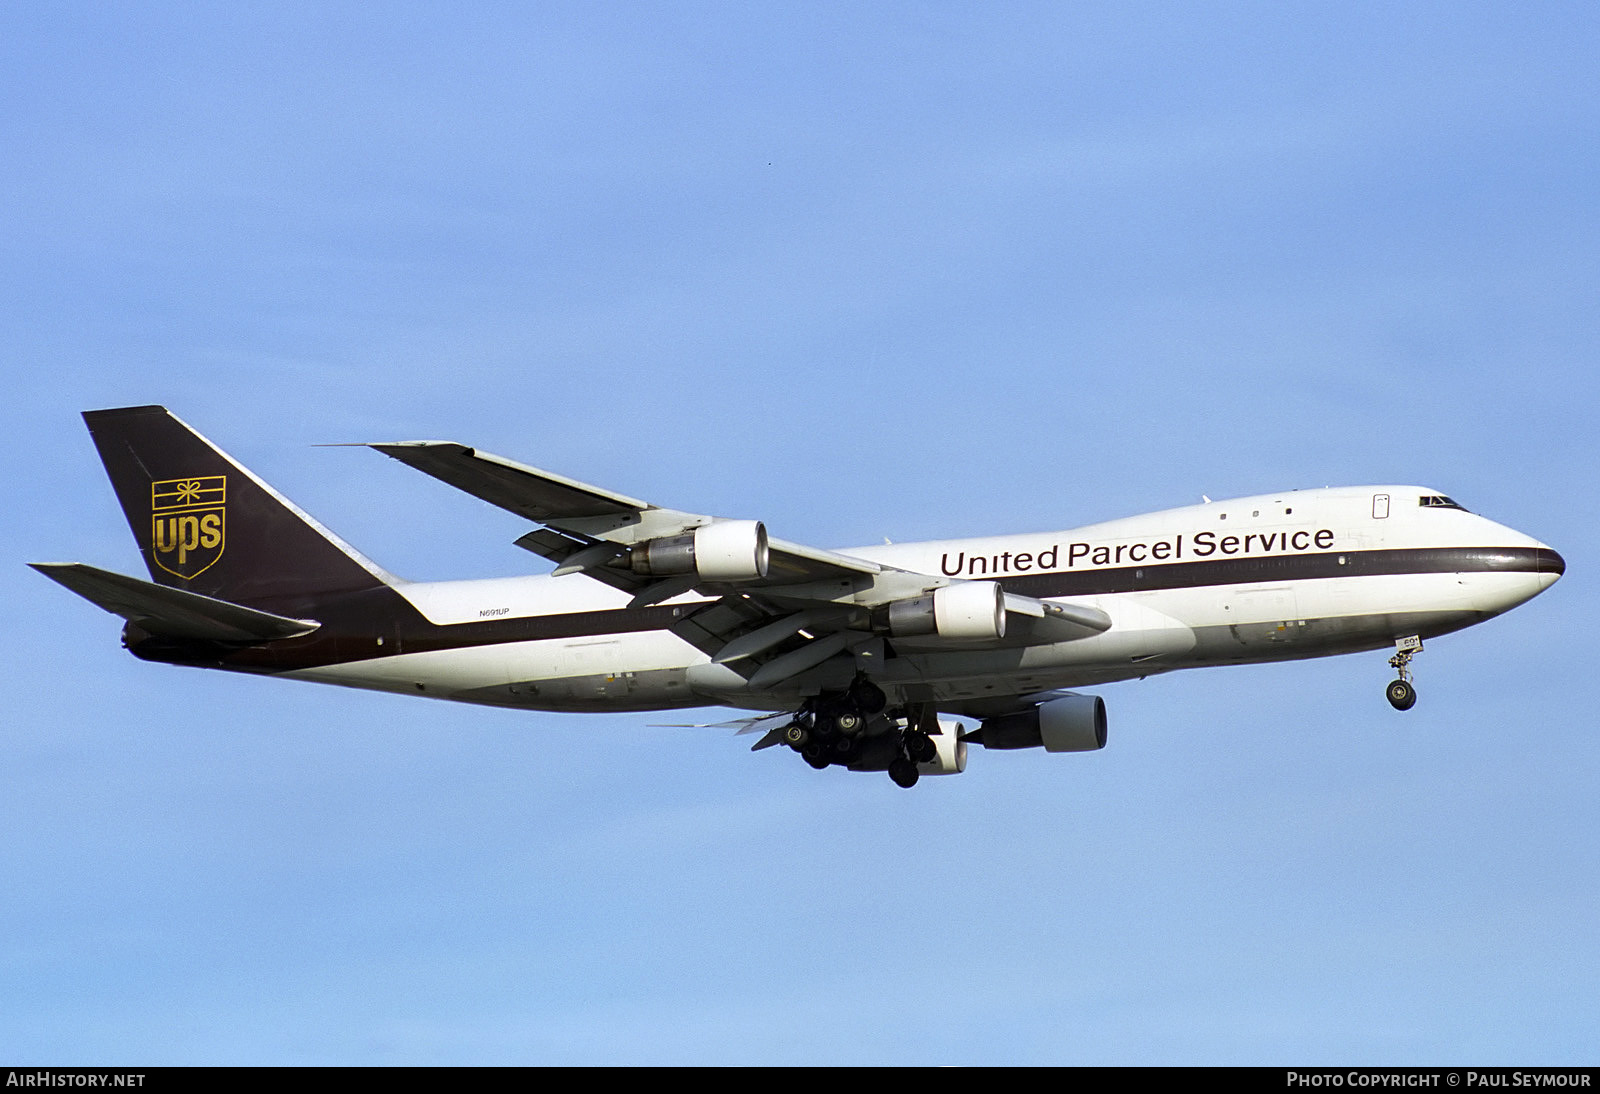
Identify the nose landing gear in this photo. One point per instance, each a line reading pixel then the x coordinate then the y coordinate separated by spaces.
pixel 1400 693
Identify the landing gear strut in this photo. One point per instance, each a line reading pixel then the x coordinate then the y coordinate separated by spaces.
pixel 845 727
pixel 916 747
pixel 1401 695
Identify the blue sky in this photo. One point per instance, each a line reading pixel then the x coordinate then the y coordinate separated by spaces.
pixel 906 270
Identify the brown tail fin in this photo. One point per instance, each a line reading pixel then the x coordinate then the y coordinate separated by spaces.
pixel 207 525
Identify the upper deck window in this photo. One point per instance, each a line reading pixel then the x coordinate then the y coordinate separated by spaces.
pixel 1439 501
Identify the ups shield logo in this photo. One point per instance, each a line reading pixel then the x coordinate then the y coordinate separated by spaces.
pixel 187 523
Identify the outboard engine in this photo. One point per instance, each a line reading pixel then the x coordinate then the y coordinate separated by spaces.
pixel 1068 723
pixel 725 550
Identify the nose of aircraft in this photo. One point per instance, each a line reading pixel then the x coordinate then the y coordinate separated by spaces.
pixel 1531 568
pixel 1550 565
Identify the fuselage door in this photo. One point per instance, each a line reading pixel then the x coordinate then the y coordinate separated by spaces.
pixel 1380 506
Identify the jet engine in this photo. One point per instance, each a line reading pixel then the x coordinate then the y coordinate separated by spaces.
pixel 971 609
pixel 725 550
pixel 1069 723
pixel 951 757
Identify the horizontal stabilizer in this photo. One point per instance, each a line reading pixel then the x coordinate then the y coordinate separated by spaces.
pixel 174 613
pixel 773 724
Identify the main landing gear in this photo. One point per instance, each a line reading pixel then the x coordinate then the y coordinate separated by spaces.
pixel 845 727
pixel 916 747
pixel 1401 695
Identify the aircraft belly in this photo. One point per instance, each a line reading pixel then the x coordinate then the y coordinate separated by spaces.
pixel 1263 622
pixel 648 689
pixel 1233 644
pixel 634 671
pixel 639 670
pixel 437 673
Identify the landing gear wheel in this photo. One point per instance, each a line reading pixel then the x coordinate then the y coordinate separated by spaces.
pixel 795 735
pixel 1402 696
pixel 848 724
pixel 920 747
pixel 903 772
pixel 819 761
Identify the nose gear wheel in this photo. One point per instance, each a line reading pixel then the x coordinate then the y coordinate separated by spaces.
pixel 1402 695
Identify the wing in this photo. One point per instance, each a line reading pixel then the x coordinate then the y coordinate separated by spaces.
pixel 775 609
pixel 540 496
pixel 586 525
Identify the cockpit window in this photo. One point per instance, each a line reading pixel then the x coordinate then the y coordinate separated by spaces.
pixel 1439 501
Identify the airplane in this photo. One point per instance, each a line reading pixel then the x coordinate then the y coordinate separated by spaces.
pixel 861 658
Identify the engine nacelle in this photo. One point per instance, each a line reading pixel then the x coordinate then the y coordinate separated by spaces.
pixel 725 550
pixel 952 757
pixel 971 609
pixel 1070 723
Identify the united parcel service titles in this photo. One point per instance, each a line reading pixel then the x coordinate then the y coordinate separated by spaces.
pixel 1206 544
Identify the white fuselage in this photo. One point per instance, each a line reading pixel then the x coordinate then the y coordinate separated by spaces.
pixel 1278 576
